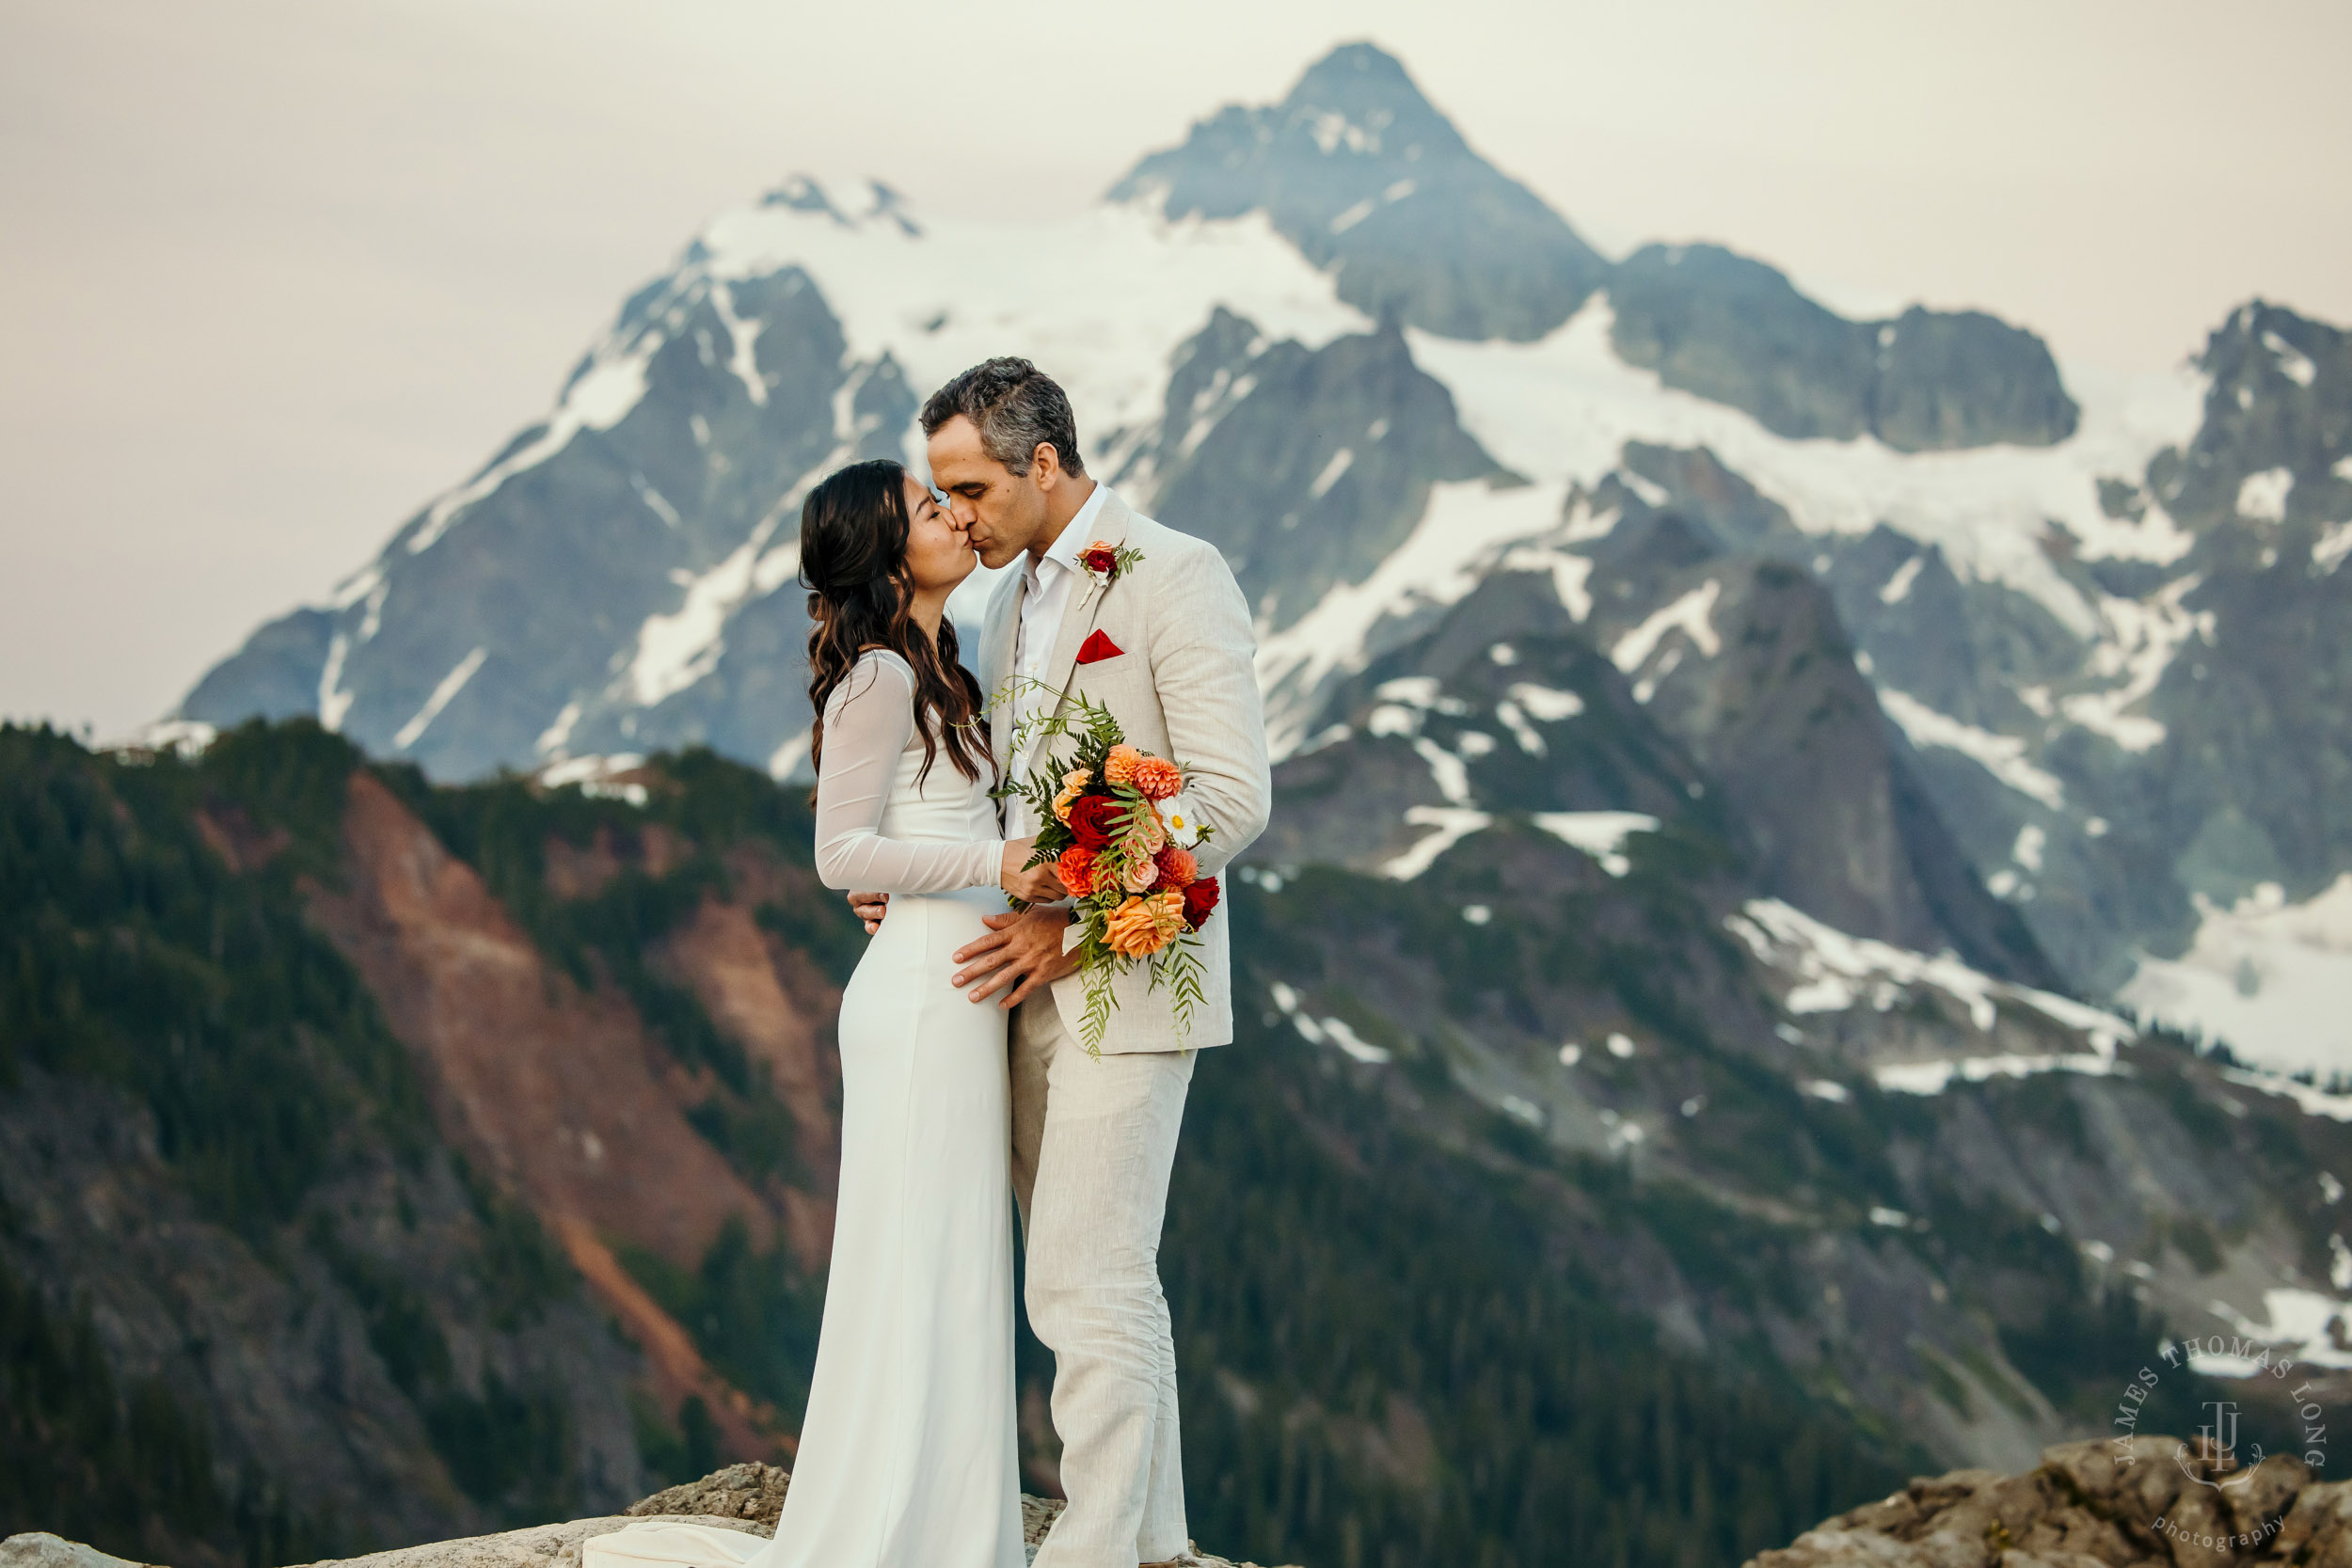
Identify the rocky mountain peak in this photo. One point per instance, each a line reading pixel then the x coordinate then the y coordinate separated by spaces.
pixel 1359 101
pixel 1373 184
pixel 806 192
pixel 2277 423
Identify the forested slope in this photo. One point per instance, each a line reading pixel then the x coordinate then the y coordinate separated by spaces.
pixel 382 1161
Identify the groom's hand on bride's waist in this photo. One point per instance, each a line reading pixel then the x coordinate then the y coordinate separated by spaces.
pixel 1021 951
pixel 870 907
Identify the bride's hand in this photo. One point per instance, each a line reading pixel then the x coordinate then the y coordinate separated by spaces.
pixel 1036 885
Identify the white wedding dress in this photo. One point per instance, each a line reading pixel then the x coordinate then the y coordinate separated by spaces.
pixel 907 1455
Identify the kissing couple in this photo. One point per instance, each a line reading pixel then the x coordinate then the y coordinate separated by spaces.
pixel 965 1091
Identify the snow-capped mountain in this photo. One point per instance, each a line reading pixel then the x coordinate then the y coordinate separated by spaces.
pixel 2065 636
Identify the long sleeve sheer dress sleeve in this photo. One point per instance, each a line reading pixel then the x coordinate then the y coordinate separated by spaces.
pixel 870 721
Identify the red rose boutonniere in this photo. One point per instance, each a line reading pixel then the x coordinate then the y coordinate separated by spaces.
pixel 1106 561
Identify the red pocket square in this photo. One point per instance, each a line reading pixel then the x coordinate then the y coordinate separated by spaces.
pixel 1098 646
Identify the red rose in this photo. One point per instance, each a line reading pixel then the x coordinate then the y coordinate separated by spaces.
pixel 1199 898
pixel 1099 557
pixel 1091 820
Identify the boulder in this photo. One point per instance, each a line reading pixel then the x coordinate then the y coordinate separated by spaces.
pixel 41 1549
pixel 2095 1504
pixel 752 1491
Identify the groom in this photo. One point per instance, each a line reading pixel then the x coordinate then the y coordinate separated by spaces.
pixel 1166 645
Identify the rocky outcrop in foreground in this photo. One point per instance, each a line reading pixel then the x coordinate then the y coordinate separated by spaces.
pixel 2093 1505
pixel 2087 1505
pixel 746 1497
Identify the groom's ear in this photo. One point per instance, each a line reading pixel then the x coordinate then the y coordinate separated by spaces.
pixel 1046 469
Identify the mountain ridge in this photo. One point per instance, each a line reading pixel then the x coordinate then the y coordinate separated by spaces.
pixel 618 580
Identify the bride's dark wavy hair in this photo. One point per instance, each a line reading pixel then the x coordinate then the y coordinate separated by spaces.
pixel 853 562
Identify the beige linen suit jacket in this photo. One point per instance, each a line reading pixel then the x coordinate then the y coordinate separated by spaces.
pixel 1183 686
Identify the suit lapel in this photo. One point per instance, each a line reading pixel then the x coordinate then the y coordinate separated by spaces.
pixel 1086 596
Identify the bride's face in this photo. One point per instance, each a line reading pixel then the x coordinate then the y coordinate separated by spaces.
pixel 939 554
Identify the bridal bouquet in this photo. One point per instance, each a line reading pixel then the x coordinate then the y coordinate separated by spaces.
pixel 1111 833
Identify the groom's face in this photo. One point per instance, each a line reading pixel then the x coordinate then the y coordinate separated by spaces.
pixel 1003 511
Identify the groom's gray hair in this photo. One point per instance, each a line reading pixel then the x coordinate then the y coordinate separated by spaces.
pixel 1016 408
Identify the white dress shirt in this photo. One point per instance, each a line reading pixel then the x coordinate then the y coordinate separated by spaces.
pixel 1047 582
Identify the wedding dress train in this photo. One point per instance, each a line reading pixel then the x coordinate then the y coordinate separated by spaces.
pixel 908 1453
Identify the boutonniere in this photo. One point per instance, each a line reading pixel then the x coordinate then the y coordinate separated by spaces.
pixel 1106 561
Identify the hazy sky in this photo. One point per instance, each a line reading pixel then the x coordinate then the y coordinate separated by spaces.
pixel 282 270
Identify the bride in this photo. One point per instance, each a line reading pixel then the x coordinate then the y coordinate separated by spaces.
pixel 906 1455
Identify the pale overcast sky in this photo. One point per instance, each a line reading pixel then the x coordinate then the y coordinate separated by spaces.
pixel 282 270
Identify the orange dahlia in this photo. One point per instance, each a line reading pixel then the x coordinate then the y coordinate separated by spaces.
pixel 1157 778
pixel 1141 926
pixel 1178 868
pixel 1076 868
pixel 1119 764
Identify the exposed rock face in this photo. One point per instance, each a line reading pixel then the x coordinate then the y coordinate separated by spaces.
pixel 1736 330
pixel 1949 379
pixel 538 1082
pixel 2266 488
pixel 1769 700
pixel 519 1061
pixel 1355 432
pixel 750 1491
pixel 742 975
pixel 2099 1504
